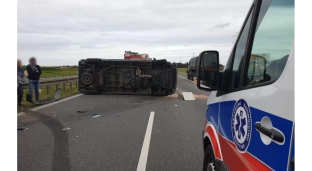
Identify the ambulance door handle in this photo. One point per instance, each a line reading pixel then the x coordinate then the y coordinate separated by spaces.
pixel 272 133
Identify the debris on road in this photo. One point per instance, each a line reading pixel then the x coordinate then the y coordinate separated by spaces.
pixel 95 115
pixel 64 129
pixel 81 111
pixel 186 96
pixel 175 105
pixel 21 128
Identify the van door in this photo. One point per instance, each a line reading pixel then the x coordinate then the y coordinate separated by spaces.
pixel 256 117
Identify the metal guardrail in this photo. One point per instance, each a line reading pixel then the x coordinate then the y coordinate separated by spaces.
pixel 49 81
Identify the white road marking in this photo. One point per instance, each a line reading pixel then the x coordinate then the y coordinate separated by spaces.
pixel 20 114
pixel 146 143
pixel 59 101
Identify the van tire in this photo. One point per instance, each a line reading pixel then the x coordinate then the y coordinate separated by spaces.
pixel 209 159
pixel 188 76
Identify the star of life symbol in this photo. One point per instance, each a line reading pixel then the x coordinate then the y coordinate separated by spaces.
pixel 241 125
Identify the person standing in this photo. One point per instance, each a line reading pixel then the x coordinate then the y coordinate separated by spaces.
pixel 34 72
pixel 20 80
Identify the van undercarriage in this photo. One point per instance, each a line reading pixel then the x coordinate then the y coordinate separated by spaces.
pixel 144 77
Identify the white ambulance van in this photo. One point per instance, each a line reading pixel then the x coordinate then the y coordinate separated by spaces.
pixel 249 123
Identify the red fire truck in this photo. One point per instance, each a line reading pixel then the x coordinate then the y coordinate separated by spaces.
pixel 136 55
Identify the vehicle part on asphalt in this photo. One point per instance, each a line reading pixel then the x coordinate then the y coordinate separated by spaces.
pixel 95 115
pixel 64 129
pixel 81 111
pixel 188 96
pixel 57 96
pixel 21 128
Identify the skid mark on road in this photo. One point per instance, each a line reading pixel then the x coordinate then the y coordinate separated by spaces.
pixel 146 143
pixel 60 160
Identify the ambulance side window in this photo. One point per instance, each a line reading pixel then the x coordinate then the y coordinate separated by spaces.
pixel 240 53
pixel 272 42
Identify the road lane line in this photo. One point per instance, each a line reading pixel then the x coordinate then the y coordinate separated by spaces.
pixel 185 78
pixel 146 143
pixel 53 103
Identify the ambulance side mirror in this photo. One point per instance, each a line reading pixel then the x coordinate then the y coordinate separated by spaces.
pixel 208 71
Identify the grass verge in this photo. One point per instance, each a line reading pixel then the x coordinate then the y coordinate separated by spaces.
pixel 50 72
pixel 182 70
pixel 43 94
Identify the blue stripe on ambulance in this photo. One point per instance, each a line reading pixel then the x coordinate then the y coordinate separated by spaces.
pixel 273 154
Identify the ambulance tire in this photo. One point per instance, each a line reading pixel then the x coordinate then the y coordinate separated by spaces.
pixel 209 159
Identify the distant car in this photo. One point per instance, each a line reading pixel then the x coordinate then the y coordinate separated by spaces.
pixel 191 69
pixel 123 76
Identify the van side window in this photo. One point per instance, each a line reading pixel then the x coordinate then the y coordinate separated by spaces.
pixel 239 54
pixel 272 42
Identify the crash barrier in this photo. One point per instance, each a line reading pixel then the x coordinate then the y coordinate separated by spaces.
pixel 59 82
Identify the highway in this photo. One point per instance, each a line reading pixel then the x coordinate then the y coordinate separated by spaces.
pixel 115 132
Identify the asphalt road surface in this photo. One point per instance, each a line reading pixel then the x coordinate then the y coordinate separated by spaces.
pixel 116 132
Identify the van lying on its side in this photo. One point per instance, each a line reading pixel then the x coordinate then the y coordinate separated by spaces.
pixel 249 123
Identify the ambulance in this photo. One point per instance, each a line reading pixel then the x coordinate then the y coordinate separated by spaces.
pixel 249 121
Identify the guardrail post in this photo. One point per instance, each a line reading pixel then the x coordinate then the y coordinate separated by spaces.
pixel 56 86
pixel 48 88
pixel 70 85
pixel 76 82
pixel 64 85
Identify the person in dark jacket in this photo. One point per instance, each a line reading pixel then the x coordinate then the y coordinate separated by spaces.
pixel 20 80
pixel 34 72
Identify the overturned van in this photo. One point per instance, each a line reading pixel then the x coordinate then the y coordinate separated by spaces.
pixel 119 76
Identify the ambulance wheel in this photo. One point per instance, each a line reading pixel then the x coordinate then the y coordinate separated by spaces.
pixel 209 159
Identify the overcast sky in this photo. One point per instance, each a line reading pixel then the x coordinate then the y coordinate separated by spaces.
pixel 61 32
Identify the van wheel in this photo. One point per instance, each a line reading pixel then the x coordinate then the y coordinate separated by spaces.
pixel 209 159
pixel 188 76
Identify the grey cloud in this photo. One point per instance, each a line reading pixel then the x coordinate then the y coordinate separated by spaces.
pixel 220 26
pixel 90 28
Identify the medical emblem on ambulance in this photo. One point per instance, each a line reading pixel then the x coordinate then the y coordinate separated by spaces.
pixel 241 125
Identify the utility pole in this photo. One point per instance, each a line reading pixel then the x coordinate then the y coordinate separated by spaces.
pixel 180 59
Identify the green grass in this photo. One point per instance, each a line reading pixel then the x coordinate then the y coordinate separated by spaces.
pixel 50 72
pixel 43 94
pixel 182 70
